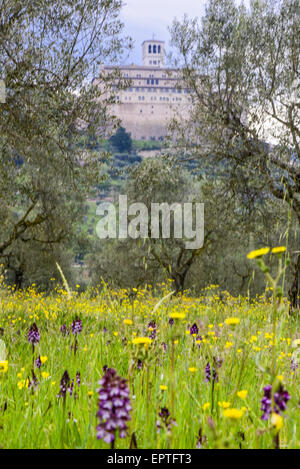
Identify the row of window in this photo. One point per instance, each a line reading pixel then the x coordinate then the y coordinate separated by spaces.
pixel 154 49
pixel 153 98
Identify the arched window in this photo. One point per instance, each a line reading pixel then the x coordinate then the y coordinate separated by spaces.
pixel 154 49
pixel 149 49
pixel 159 49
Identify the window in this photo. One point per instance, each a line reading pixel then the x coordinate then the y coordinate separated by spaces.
pixel 152 82
pixel 154 61
pixel 159 49
pixel 148 82
pixel 149 49
pixel 156 81
pixel 154 49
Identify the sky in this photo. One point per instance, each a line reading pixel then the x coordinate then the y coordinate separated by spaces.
pixel 143 18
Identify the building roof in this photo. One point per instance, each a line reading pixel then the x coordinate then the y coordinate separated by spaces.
pixel 153 40
pixel 139 67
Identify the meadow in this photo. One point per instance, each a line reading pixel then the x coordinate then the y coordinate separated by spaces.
pixel 198 371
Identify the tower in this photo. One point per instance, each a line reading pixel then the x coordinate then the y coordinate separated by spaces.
pixel 153 53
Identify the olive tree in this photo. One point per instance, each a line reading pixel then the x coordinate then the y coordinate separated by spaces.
pixel 49 52
pixel 242 67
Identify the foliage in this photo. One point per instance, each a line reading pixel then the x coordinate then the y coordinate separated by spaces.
pixel 49 52
pixel 242 67
pixel 121 140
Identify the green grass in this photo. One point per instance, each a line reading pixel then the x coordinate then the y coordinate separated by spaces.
pixel 36 418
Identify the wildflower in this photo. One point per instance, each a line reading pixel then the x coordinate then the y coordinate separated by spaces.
pixel 78 378
pixel 277 421
pixel 208 373
pixel 45 374
pixel 33 335
pixel 90 393
pixel 232 321
pixel 192 369
pixel 114 407
pixel 166 421
pixel 228 344
pixel 64 385
pixel 139 364
pixel 34 383
pixel 199 340
pixel 162 387
pixel 258 253
pixel 171 321
pixel 21 384
pixel 281 397
pixel 4 366
pixel 141 341
pixel 177 315
pixel 194 329
pixel 76 326
pixel 233 414
pixel 64 330
pixel 206 406
pixel 224 405
pixel 294 365
pixel 278 250
pixel 201 439
pixel 127 322
pixel 38 362
pixel 242 394
pixel 152 329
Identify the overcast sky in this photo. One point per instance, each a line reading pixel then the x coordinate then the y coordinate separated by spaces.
pixel 143 18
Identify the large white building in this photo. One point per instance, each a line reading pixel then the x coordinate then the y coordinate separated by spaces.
pixel 153 97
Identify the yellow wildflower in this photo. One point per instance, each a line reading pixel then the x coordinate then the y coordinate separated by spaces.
pixel 163 387
pixel 4 366
pixel 141 341
pixel 277 421
pixel 278 250
pixel 232 321
pixel 258 253
pixel 233 414
pixel 224 404
pixel 128 322
pixel 242 394
pixel 177 315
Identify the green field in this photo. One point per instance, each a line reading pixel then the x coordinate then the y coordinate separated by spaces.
pixel 206 382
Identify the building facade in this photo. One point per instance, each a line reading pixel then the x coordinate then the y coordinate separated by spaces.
pixel 154 96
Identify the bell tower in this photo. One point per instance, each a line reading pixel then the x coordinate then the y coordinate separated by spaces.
pixel 153 53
